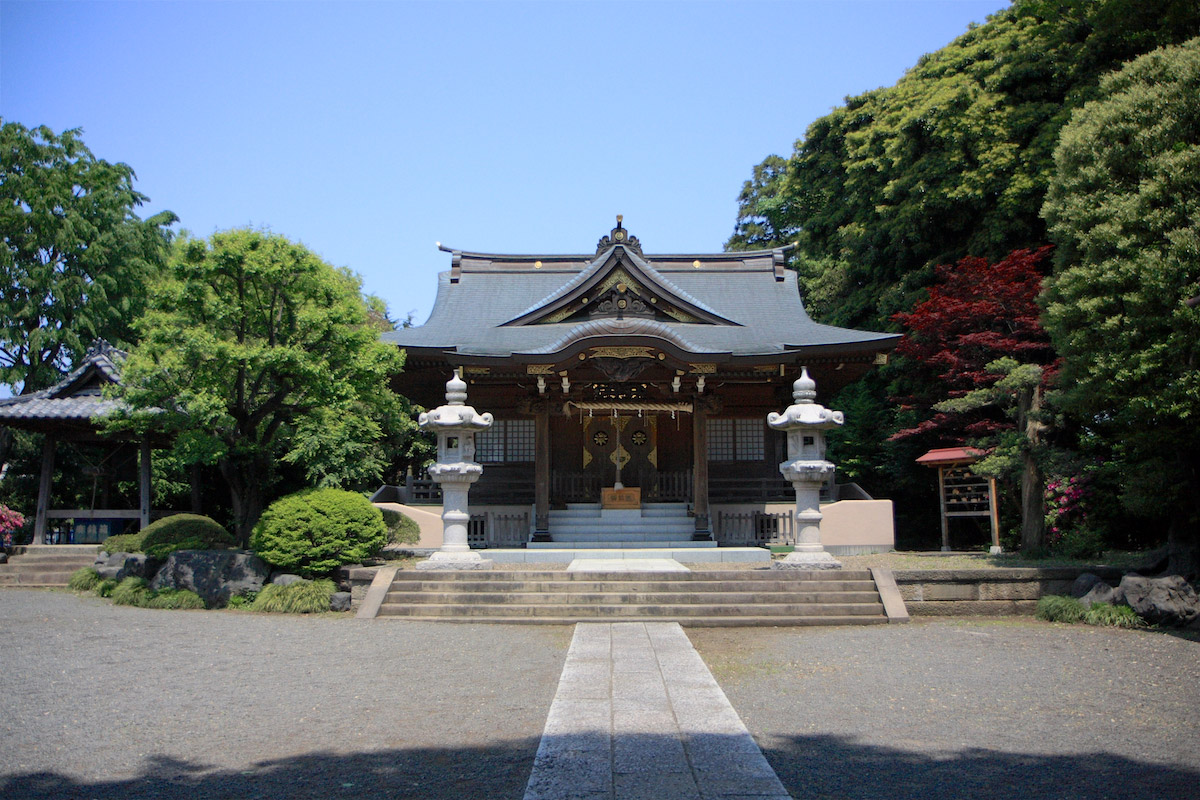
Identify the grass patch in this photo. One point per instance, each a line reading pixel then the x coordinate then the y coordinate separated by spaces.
pixel 84 579
pixel 105 587
pixel 1057 608
pixel 1114 616
pixel 244 600
pixel 301 597
pixel 132 592
pixel 175 598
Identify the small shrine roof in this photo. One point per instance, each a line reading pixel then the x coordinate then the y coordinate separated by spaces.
pixel 951 455
pixel 78 397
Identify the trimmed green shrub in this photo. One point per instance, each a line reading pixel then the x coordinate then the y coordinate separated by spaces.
pixel 402 529
pixel 1056 608
pixel 131 592
pixel 185 532
pixel 301 597
pixel 105 587
pixel 125 542
pixel 84 579
pixel 175 598
pixel 1116 616
pixel 315 531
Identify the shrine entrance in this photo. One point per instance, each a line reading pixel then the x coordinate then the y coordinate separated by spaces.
pixel 621 450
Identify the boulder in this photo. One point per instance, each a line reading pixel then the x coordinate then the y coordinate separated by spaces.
pixel 1100 593
pixel 215 575
pixel 1084 583
pixel 1161 601
pixel 285 578
pixel 3 557
pixel 119 566
pixel 339 601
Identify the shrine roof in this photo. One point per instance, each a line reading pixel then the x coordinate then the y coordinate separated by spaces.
pixel 736 304
pixel 77 397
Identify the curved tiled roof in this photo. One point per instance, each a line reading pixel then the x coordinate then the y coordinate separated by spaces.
pixel 77 397
pixel 488 306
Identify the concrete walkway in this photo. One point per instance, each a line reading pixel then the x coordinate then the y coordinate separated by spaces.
pixel 638 715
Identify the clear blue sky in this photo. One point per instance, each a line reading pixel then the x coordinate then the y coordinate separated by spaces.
pixel 369 131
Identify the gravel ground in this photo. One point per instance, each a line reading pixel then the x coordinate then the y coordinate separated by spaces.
pixel 1003 709
pixel 115 702
pixel 111 702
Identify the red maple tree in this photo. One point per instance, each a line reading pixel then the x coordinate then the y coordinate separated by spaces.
pixel 976 313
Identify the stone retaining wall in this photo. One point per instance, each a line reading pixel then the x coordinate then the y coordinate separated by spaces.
pixel 926 592
pixel 987 592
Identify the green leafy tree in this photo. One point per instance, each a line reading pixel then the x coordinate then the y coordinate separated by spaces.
pixel 74 263
pixel 1124 209
pixel 76 257
pixel 953 160
pixel 254 350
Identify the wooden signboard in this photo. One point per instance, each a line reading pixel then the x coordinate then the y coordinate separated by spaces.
pixel 621 498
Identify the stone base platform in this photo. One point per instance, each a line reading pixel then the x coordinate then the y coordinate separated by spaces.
pixel 684 554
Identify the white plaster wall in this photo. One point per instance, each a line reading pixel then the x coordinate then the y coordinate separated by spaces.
pixel 428 518
pixel 846 523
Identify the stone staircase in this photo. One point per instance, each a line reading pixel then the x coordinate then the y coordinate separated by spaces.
pixel 698 598
pixel 46 564
pixel 586 526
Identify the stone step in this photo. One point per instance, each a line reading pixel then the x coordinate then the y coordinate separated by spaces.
pixel 623 536
pixel 638 598
pixel 32 577
pixel 792 576
pixel 30 560
pixel 46 565
pixel 627 610
pixel 600 544
pixel 632 525
pixel 687 622
pixel 628 587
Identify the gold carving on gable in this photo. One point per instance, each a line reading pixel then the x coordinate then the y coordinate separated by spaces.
pixel 539 369
pixel 621 280
pixel 703 369
pixel 476 370
pixel 621 352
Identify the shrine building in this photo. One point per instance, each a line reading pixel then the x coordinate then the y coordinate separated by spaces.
pixel 630 394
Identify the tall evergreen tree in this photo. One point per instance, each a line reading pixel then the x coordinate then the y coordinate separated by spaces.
pixel 1124 209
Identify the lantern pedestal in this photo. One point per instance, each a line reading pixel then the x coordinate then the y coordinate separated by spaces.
pixel 805 423
pixel 806 478
pixel 455 424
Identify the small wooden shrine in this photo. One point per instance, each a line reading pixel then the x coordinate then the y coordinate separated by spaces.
pixel 962 493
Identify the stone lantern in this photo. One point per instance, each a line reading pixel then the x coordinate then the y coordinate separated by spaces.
pixel 455 424
pixel 805 423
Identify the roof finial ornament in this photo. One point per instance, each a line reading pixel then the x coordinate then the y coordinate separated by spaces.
pixel 619 235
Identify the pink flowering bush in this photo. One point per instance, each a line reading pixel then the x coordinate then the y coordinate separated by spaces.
pixel 10 521
pixel 1069 530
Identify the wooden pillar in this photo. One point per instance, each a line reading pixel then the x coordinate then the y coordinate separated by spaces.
pixel 700 465
pixel 43 502
pixel 541 445
pixel 994 515
pixel 942 502
pixel 144 483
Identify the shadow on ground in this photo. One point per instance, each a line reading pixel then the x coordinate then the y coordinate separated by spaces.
pixel 813 767
pixel 810 767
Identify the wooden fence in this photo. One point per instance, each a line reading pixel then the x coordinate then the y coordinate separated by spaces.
pixel 754 528
pixel 498 530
